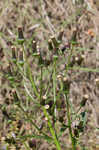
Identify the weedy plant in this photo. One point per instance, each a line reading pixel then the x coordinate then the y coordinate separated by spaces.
pixel 41 107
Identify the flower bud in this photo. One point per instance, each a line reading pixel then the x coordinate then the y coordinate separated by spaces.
pixel 46 106
pixel 59 77
pixel 37 52
pixel 97 82
pixel 21 60
pixel 66 84
pixel 34 44
pixel 13 53
pixel 20 36
pixel 55 42
pixel 50 45
pixel 20 33
pixel 79 59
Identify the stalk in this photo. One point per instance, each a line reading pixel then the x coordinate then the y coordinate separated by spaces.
pixel 69 122
pixel 52 130
pixel 54 86
pixel 41 86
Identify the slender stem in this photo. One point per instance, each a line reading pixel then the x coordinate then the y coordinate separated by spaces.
pixel 69 123
pixel 69 58
pixel 52 130
pixel 54 87
pixel 33 83
pixel 30 75
pixel 67 103
pixel 25 74
pixel 41 83
pixel 26 146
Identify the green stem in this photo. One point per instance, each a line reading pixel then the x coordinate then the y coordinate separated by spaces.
pixel 33 83
pixel 69 58
pixel 69 123
pixel 52 130
pixel 26 146
pixel 67 103
pixel 41 86
pixel 54 86
pixel 30 75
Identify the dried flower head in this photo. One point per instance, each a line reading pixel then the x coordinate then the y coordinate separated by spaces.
pixel 66 83
pixel 50 45
pixel 47 106
pixel 97 82
pixel 21 59
pixel 13 53
pixel 20 33
pixel 34 46
pixel 44 97
pixel 55 41
pixel 20 36
pixel 59 77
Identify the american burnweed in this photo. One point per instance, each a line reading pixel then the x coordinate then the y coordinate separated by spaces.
pixel 41 95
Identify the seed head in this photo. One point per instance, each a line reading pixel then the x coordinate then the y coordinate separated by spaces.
pixel 46 106
pixel 20 33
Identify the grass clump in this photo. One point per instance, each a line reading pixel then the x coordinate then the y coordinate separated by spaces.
pixel 40 95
